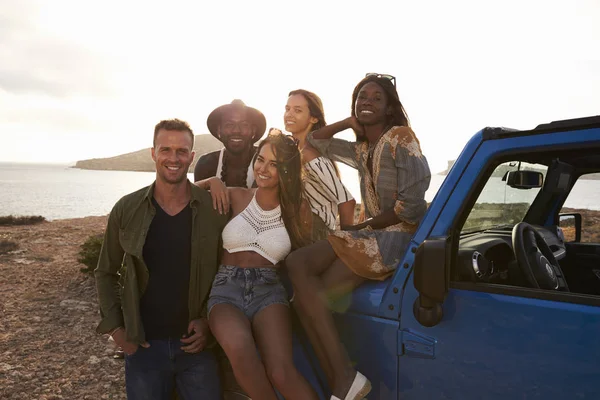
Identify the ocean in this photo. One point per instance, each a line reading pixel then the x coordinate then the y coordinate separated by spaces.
pixel 59 191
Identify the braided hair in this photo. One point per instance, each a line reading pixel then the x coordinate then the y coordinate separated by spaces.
pixel 245 172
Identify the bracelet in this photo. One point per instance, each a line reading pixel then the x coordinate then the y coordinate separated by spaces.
pixel 114 330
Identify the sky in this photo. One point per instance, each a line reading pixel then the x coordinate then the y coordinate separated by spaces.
pixel 81 79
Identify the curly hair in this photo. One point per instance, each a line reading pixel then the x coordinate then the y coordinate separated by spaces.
pixel 291 190
pixel 173 125
pixel 398 116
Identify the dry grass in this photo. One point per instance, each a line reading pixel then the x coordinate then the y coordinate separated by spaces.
pixel 8 220
pixel 6 246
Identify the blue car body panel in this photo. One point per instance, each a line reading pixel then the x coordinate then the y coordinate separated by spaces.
pixel 487 346
pixel 491 346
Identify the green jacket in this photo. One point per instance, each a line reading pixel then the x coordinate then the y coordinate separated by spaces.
pixel 122 275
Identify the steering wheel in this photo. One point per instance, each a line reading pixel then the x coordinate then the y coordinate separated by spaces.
pixel 536 260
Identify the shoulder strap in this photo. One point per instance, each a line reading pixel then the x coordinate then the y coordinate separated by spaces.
pixel 220 163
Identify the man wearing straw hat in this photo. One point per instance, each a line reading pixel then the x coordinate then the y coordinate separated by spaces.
pixel 238 127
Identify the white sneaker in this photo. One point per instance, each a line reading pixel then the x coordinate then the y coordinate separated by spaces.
pixel 334 398
pixel 359 389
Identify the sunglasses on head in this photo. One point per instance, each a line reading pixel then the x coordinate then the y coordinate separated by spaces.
pixel 288 139
pixel 384 76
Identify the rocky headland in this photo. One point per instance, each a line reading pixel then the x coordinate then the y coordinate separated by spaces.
pixel 141 160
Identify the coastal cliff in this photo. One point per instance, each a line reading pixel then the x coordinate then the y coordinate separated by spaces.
pixel 141 160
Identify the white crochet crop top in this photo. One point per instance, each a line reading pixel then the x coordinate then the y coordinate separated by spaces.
pixel 255 229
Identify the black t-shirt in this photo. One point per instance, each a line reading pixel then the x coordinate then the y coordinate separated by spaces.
pixel 167 254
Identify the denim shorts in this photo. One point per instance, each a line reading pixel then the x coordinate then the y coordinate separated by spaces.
pixel 248 289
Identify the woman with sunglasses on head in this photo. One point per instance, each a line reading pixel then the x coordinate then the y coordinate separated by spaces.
pixel 326 194
pixel 394 176
pixel 248 304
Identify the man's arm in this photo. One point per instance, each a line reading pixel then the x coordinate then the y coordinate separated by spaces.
pixel 107 275
pixel 206 166
pixel 218 191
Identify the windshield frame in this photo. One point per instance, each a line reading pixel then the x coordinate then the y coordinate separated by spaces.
pixel 501 214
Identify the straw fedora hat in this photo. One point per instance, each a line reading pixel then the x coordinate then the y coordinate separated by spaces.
pixel 256 118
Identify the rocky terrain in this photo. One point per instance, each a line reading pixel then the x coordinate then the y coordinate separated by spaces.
pixel 48 314
pixel 590 224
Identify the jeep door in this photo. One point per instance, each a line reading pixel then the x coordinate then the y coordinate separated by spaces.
pixel 476 328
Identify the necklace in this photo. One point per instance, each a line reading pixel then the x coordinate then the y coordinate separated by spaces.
pixel 372 146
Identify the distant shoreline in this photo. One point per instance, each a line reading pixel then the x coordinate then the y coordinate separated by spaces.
pixel 39 164
pixel 92 168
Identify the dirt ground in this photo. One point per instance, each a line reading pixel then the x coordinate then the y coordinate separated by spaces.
pixel 48 315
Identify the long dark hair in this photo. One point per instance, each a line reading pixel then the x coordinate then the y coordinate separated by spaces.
pixel 315 107
pixel 316 110
pixel 289 169
pixel 398 116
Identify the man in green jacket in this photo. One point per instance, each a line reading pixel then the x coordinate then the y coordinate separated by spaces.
pixel 156 267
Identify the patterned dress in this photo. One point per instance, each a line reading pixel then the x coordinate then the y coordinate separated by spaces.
pixel 324 191
pixel 400 178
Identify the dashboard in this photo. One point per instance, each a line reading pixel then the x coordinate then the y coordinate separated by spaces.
pixel 488 256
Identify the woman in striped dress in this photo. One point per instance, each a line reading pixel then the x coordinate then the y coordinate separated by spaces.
pixel 394 176
pixel 326 194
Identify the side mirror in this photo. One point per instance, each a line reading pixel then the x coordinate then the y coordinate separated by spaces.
pixel 570 226
pixel 431 277
pixel 525 179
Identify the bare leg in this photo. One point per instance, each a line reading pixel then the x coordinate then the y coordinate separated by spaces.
pixel 233 332
pixel 308 270
pixel 339 281
pixel 326 257
pixel 272 329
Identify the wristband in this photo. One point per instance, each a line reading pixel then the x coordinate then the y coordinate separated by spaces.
pixel 113 331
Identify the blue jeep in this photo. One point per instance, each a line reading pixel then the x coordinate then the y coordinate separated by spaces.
pixel 497 297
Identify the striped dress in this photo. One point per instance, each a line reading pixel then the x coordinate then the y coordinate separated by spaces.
pixel 324 191
pixel 400 178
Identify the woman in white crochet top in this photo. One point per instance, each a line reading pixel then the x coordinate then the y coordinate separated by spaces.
pixel 247 300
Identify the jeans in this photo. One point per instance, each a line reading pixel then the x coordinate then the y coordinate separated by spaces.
pixel 249 289
pixel 153 373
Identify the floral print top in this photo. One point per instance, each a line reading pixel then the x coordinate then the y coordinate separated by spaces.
pixel 399 180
